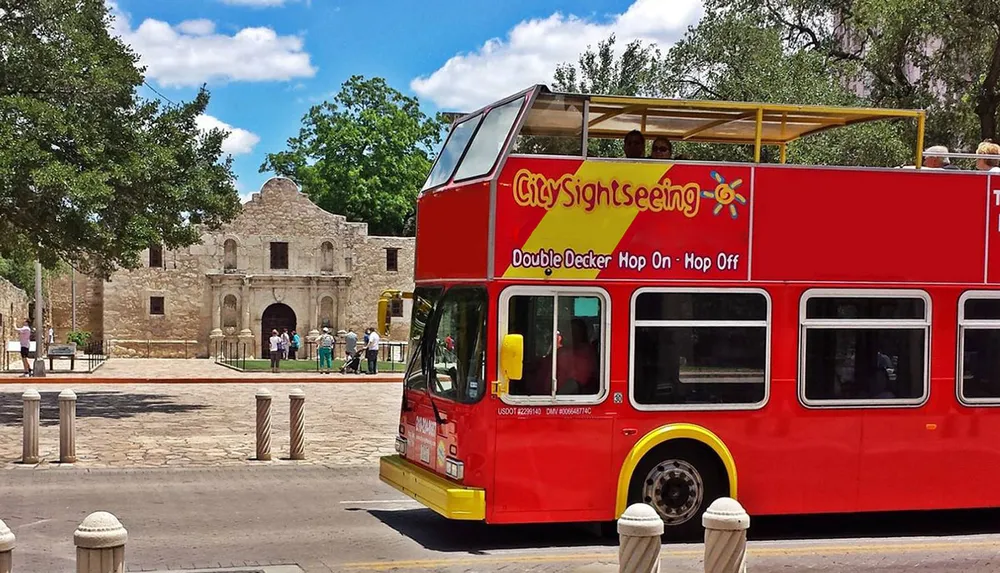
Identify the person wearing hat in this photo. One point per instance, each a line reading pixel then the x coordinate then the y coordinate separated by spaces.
pixel 934 162
pixel 326 350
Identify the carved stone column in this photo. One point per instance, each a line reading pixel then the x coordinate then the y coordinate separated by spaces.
pixel 342 305
pixel 246 335
pixel 216 335
pixel 313 311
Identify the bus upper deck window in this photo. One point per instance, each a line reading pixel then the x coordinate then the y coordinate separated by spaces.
pixel 489 140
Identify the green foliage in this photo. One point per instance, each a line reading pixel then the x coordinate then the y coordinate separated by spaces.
pixel 364 155
pixel 90 173
pixel 80 337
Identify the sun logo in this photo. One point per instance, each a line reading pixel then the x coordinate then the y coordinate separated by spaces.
pixel 725 195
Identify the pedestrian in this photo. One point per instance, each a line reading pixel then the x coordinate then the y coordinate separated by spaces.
pixel 373 340
pixel 350 343
pixel 326 350
pixel 24 335
pixel 295 342
pixel 285 343
pixel 275 347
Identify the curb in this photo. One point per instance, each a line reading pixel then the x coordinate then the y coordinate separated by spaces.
pixel 277 379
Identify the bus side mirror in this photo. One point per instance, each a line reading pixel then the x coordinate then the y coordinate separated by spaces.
pixel 512 357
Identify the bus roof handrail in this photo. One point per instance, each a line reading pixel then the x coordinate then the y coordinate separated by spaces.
pixel 706 121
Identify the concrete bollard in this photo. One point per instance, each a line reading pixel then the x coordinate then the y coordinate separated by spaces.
pixel 6 548
pixel 100 544
pixel 263 424
pixel 639 531
pixel 67 427
pixel 32 414
pixel 726 524
pixel 297 424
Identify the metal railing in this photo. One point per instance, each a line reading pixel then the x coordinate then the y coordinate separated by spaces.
pixel 392 356
pixel 231 354
pixel 94 353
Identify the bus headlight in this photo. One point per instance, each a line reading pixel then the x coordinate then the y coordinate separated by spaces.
pixel 401 445
pixel 454 468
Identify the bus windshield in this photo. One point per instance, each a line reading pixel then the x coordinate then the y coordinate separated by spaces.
pixel 448 342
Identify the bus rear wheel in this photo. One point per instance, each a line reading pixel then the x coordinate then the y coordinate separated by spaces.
pixel 679 482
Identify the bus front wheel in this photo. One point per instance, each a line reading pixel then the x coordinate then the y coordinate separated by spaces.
pixel 680 481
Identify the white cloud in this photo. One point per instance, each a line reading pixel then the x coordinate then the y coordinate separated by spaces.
pixel 238 142
pixel 197 27
pixel 533 48
pixel 192 52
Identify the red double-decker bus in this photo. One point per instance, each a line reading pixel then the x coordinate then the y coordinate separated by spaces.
pixel 592 332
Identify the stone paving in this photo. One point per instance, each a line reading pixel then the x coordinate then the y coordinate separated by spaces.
pixel 205 425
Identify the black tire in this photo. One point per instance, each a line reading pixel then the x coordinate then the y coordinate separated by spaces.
pixel 675 461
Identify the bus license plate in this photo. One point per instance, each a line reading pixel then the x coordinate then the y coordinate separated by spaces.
pixel 425 454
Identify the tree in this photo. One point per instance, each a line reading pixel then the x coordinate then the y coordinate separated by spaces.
pixel 90 173
pixel 942 55
pixel 364 155
pixel 638 71
pixel 740 55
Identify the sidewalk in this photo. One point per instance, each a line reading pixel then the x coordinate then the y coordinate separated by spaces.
pixel 186 371
pixel 176 424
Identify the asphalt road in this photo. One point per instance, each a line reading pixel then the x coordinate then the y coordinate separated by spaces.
pixel 345 520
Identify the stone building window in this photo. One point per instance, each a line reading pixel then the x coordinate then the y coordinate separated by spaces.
pixel 156 256
pixel 156 305
pixel 229 248
pixel 392 259
pixel 326 257
pixel 279 255
pixel 396 308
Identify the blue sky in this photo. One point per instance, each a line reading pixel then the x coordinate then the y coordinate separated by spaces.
pixel 267 61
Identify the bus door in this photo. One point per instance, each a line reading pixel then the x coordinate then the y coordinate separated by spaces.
pixel 554 429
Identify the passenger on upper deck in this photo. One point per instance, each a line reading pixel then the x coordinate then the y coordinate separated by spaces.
pixel 933 162
pixel 635 145
pixel 662 148
pixel 988 147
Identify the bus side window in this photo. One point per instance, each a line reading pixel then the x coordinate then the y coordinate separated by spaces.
pixel 563 329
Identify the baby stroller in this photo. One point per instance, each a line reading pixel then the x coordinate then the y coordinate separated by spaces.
pixel 353 364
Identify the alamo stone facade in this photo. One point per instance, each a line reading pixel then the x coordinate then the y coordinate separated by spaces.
pixel 282 263
pixel 13 309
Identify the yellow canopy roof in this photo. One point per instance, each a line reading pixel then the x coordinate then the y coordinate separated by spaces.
pixel 696 120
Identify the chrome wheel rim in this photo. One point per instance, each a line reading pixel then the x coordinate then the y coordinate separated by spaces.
pixel 675 489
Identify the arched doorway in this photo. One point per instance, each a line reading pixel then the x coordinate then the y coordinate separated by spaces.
pixel 278 316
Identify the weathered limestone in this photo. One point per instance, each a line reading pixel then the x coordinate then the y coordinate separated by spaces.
pixel 263 424
pixel 726 524
pixel 13 309
pixel 639 531
pixel 100 544
pixel 334 276
pixel 32 413
pixel 6 548
pixel 67 427
pixel 297 424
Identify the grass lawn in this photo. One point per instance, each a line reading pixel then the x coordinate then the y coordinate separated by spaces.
pixel 310 366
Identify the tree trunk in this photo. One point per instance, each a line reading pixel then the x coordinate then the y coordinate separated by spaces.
pixel 988 99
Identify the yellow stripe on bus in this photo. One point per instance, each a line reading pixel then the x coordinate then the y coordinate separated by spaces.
pixel 574 228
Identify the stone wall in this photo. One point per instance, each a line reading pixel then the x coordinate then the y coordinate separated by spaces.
pixel 371 277
pixel 334 276
pixel 13 308
pixel 89 305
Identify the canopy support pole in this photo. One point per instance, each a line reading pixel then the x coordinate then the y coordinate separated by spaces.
pixel 920 141
pixel 784 152
pixel 758 135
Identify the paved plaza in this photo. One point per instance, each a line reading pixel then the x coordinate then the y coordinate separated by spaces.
pixel 201 425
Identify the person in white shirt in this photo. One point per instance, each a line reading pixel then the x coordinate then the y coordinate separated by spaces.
pixel 275 348
pixel 24 336
pixel 372 351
